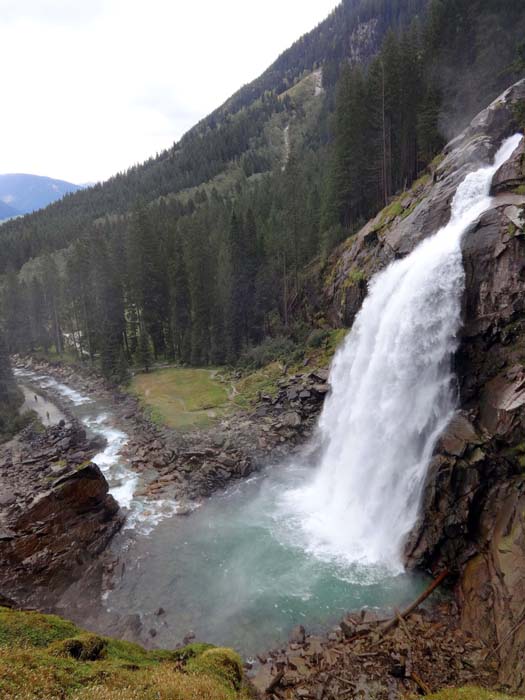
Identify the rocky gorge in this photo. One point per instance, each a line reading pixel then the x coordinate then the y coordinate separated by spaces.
pixel 472 516
pixel 194 464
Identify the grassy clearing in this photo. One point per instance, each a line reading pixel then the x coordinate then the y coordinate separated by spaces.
pixel 43 656
pixel 187 398
pixel 265 380
pixel 183 398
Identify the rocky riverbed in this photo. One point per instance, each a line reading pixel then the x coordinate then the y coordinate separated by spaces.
pixel 193 465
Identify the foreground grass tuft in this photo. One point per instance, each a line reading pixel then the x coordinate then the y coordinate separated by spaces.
pixel 43 657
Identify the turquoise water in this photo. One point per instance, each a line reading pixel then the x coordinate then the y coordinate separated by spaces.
pixel 234 572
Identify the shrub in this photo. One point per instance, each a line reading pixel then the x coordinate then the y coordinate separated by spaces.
pixel 270 350
pixel 317 337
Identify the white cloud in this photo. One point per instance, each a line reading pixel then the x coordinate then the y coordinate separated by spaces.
pixel 94 87
pixel 51 11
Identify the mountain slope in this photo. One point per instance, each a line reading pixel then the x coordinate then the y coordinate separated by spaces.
pixel 236 129
pixel 26 193
pixel 199 254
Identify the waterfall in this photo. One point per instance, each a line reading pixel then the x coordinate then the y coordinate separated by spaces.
pixel 392 396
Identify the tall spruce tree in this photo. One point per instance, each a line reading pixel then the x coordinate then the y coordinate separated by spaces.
pixel 10 397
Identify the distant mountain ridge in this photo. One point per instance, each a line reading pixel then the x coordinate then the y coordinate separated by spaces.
pixel 22 193
pixel 7 212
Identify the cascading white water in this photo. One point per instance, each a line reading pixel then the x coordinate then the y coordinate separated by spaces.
pixel 392 395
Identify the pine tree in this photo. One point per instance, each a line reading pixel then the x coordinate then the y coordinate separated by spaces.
pixel 236 310
pixel 143 355
pixel 10 397
pixel 110 310
pixel 40 338
pixel 201 290
pixel 51 285
pixel 16 316
pixel 148 275
pixel 180 301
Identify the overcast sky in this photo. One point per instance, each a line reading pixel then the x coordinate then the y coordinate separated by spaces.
pixel 90 87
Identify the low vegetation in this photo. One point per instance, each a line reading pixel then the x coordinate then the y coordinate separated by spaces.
pixel 43 656
pixel 470 694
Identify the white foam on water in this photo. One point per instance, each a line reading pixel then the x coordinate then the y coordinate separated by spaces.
pixel 72 395
pixel 392 396
pixel 143 514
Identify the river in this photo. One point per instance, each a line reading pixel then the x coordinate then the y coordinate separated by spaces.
pixel 234 571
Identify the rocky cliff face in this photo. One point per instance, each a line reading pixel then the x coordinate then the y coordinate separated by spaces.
pixel 473 514
pixel 56 515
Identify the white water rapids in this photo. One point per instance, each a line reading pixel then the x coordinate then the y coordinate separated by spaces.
pixel 392 396
pixel 142 513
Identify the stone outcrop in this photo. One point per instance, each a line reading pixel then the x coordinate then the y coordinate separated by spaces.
pixel 56 515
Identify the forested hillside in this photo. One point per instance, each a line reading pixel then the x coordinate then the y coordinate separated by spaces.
pixel 198 254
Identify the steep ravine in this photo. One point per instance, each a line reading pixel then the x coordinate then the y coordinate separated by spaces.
pixel 472 518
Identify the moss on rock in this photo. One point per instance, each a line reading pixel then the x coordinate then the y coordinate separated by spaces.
pixel 220 663
pixel 84 647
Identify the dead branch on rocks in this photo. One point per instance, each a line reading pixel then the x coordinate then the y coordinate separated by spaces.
pixel 420 683
pixel 435 584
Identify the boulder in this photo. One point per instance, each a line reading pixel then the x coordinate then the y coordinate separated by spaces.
pixel 297 635
pixel 458 434
pixel 291 419
pixel 63 523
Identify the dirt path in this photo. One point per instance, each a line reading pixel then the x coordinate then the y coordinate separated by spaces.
pixel 48 413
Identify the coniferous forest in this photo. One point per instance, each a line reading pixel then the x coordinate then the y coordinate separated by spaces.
pixel 198 255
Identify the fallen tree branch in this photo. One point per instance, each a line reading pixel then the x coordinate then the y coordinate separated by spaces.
pixel 402 624
pixel 437 582
pixel 421 683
